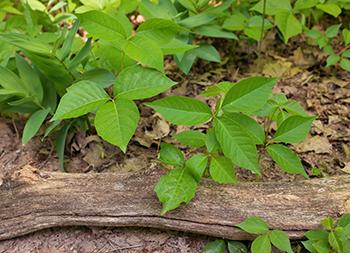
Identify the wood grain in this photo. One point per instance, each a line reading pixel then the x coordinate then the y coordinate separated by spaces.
pixel 32 200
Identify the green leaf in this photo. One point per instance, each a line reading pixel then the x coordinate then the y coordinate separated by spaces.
pixel 327 223
pixel 191 138
pixel 261 244
pixel 116 122
pixel 196 165
pixel 321 247
pixel 280 240
pixel 67 44
pixel 206 52
pixel 33 124
pixel 344 220
pixel 137 82
pixel 294 129
pixel 103 26
pixel 253 28
pixel 176 46
pixel 331 9
pixel 176 187
pixel 182 110
pixel 346 36
pixel 171 155
pixel 82 55
pixel 102 77
pixel 197 20
pixel 144 50
pixel 25 42
pixel 346 53
pixel 236 22
pixel 332 60
pixel 345 64
pixel 214 90
pixel 211 142
pixel 286 159
pixel 254 225
pixel 215 31
pixel 236 144
pixel 248 95
pixel 82 97
pixel 316 235
pixel 305 4
pixel 36 5
pixel 288 24
pixel 30 78
pixel 160 30
pixel 332 31
pixel 335 242
pixel 222 170
pixel 11 83
pixel 60 143
pixel 217 246
pixel 236 247
pixel 273 7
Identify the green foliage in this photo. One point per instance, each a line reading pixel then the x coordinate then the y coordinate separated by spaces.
pixel 333 238
pixel 234 135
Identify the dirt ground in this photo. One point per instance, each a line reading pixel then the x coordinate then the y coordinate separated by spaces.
pixel 324 92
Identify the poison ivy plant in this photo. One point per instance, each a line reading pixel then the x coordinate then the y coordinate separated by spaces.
pixel 234 136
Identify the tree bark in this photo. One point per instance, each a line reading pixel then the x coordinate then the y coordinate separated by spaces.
pixel 31 200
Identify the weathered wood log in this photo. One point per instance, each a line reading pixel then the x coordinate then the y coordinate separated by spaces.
pixel 31 200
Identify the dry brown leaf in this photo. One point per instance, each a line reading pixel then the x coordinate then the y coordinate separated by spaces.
pixel 318 144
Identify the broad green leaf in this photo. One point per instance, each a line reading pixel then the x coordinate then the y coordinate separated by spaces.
pixel 286 159
pixel 171 155
pixel 36 5
pixel 191 138
pixel 254 27
pixel 211 142
pixel 30 78
pixel 346 53
pixel 249 126
pixel 344 220
pixel 332 31
pixel 346 36
pixel 305 4
pixel 196 165
pixel 294 129
pixel 188 4
pixel 222 170
pixel 321 246
pixel 222 87
pixel 217 246
pixel 25 42
pixel 236 247
pixel 331 9
pixel 288 24
pixel 207 52
pixel 82 97
pixel 137 82
pixel 236 144
pixel 254 225
pixel 236 22
pixel 273 7
pixel 215 31
pixel 280 240
pixel 327 223
pixel 332 60
pixel 308 245
pixel 81 55
pixel 197 20
pixel 160 30
pixel 10 82
pixel 248 95
pixel 116 122
pixel 176 46
pixel 144 50
pixel 177 187
pixel 182 110
pixel 261 244
pixel 158 9
pixel 102 77
pixel 335 242
pixel 345 64
pixel 103 26
pixel 316 235
pixel 33 124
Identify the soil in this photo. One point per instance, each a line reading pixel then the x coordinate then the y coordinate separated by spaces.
pixel 324 92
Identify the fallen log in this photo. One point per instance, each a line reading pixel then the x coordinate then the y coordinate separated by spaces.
pixel 31 200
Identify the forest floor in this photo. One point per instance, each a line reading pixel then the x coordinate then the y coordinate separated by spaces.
pixel 324 92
